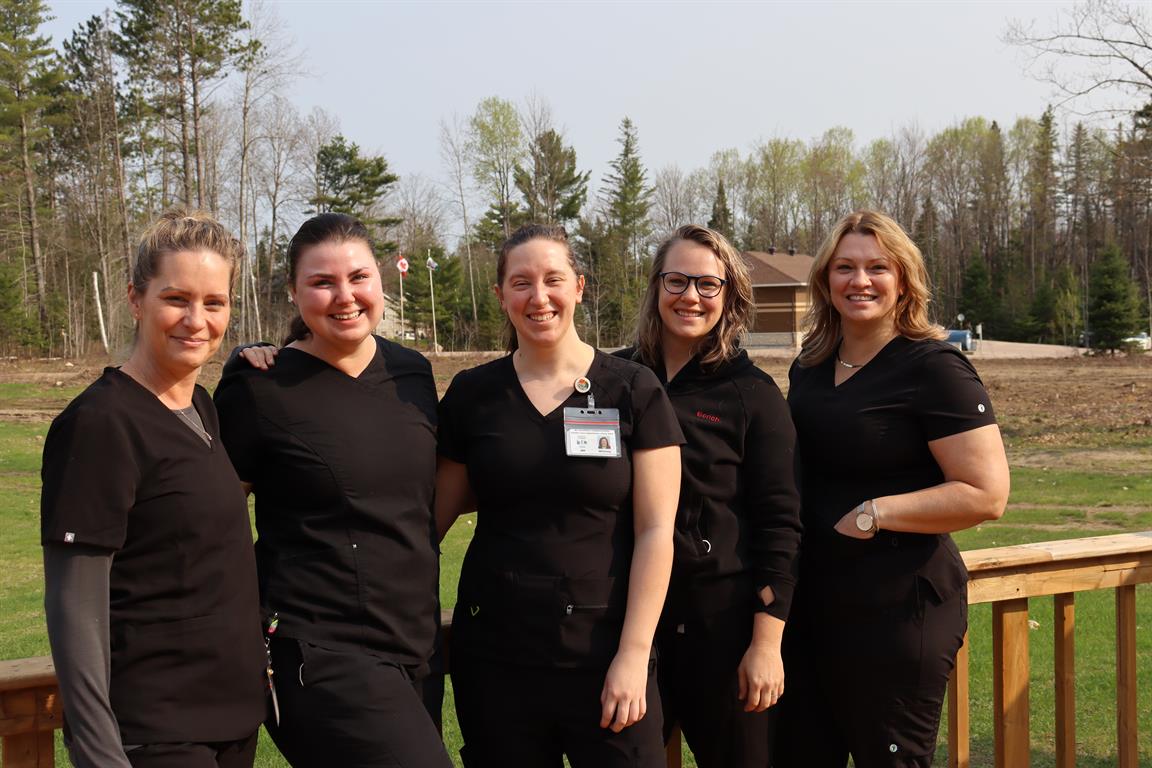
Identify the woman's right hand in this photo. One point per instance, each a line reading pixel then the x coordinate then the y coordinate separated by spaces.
pixel 262 356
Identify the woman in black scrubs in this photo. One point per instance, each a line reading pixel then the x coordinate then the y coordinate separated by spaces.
pixel 561 589
pixel 150 582
pixel 337 440
pixel 738 526
pixel 898 447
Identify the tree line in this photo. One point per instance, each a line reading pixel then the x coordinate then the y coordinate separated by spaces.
pixel 1032 231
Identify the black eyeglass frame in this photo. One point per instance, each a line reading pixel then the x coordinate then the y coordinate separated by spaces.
pixel 692 280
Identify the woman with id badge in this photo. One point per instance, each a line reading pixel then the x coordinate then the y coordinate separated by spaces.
pixel 571 459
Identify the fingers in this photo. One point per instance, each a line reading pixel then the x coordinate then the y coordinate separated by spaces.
pixel 262 357
pixel 619 713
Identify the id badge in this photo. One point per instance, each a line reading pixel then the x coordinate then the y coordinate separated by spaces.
pixel 592 432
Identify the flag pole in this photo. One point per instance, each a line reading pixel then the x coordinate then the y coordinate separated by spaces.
pixel 432 295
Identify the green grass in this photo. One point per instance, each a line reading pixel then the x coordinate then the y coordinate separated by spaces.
pixel 1046 504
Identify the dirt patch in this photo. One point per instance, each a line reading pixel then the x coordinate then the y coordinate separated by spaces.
pixel 1053 412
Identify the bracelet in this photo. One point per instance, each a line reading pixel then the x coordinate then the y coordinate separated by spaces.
pixel 875 516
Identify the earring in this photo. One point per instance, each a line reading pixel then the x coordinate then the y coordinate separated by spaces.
pixel 291 300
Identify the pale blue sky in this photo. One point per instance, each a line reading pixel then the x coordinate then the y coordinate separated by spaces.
pixel 694 77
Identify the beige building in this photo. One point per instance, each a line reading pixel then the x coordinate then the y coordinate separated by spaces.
pixel 780 289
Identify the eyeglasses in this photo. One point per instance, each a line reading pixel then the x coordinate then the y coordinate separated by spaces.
pixel 707 286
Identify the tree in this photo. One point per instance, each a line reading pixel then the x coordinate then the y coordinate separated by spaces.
pixel 1113 304
pixel 978 302
pixel 454 153
pixel 1094 47
pixel 176 50
pixel 554 190
pixel 29 73
pixel 721 219
pixel 351 183
pixel 496 147
pixel 628 194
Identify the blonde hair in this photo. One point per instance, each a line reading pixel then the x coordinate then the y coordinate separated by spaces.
pixel 181 229
pixel 723 341
pixel 822 321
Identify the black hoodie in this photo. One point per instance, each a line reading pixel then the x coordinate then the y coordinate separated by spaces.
pixel 738 523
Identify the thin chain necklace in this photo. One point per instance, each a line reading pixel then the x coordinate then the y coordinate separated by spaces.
pixel 203 433
pixel 847 365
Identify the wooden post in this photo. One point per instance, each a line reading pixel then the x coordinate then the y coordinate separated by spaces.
pixel 29 713
pixel 1010 683
pixel 1064 637
pixel 1126 743
pixel 959 731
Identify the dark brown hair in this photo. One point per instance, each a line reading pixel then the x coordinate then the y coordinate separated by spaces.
pixel 524 234
pixel 326 228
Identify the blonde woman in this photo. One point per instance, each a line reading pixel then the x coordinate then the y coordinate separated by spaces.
pixel 898 447
pixel 737 527
pixel 150 580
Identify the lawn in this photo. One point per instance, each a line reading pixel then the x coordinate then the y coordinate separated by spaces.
pixel 1080 438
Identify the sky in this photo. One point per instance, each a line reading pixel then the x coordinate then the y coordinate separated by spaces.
pixel 694 77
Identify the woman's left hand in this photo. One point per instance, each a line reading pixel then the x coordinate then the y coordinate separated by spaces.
pixel 624 699
pixel 760 676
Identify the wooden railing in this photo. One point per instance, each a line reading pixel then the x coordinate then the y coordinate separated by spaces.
pixel 1006 577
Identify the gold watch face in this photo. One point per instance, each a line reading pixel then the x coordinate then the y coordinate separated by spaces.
pixel 864 522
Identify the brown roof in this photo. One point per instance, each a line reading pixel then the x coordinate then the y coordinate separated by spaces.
pixel 778 268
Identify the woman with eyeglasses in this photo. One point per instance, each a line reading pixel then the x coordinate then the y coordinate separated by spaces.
pixel 737 526
pixel 561 589
pixel 898 447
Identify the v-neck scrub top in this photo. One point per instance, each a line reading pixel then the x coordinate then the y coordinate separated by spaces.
pixel 868 437
pixel 124 474
pixel 344 471
pixel 545 579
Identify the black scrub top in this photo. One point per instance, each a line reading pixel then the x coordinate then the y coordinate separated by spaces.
pixel 545 579
pixel 343 469
pixel 123 473
pixel 868 438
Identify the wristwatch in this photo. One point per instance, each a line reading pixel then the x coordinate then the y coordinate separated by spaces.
pixel 866 520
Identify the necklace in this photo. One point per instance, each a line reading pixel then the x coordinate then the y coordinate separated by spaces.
pixel 847 365
pixel 199 430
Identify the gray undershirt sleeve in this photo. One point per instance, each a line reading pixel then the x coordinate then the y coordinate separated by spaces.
pixel 76 582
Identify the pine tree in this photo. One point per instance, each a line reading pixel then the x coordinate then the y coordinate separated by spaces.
pixel 721 219
pixel 554 190
pixel 628 199
pixel 352 183
pixel 176 50
pixel 29 76
pixel 1113 310
pixel 978 302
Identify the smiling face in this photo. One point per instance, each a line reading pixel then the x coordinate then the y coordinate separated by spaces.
pixel 182 312
pixel 338 292
pixel 688 317
pixel 864 284
pixel 540 292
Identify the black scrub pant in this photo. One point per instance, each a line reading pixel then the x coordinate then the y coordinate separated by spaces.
pixel 531 717
pixel 224 754
pixel 699 688
pixel 349 709
pixel 867 682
